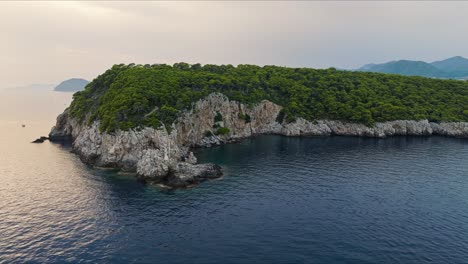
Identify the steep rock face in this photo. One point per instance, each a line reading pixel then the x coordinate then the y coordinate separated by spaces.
pixel 63 127
pixel 455 129
pixel 192 127
pixel 157 156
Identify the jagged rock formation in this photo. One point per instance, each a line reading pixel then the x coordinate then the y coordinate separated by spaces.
pixel 162 157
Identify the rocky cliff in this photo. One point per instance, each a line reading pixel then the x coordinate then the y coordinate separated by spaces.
pixel 162 157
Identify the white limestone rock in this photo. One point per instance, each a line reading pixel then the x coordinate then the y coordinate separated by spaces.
pixel 157 155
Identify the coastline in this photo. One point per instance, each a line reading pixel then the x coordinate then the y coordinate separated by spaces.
pixel 161 157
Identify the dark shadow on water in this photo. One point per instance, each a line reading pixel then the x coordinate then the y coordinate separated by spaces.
pixel 65 144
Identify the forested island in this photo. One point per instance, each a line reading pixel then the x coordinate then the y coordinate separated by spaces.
pixel 148 118
pixel 126 96
pixel 71 85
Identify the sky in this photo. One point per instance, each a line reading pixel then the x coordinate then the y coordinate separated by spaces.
pixel 48 42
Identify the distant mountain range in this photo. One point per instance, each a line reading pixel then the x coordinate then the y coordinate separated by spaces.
pixel 31 87
pixel 453 68
pixel 71 85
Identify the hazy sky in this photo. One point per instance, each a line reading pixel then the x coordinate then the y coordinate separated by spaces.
pixel 46 42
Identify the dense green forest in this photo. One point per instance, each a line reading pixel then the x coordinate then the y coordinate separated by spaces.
pixel 129 96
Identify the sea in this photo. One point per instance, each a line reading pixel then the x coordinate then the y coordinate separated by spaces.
pixel 281 200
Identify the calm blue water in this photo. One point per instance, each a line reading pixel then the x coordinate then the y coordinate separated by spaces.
pixel 282 200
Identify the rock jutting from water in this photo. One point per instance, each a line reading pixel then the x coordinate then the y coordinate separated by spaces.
pixel 161 157
pixel 40 140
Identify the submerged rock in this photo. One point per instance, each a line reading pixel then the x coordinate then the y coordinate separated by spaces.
pixel 162 157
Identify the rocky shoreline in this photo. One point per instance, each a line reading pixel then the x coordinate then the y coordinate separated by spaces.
pixel 161 157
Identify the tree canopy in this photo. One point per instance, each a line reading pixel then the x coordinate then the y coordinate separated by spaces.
pixel 130 96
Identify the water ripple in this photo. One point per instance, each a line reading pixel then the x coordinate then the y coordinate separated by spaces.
pixel 282 200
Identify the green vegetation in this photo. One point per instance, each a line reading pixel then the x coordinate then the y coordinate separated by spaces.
pixel 131 96
pixel 222 131
pixel 245 117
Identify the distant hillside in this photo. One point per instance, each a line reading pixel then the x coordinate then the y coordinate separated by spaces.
pixel 367 67
pixel 406 67
pixel 71 85
pixel 31 87
pixel 456 68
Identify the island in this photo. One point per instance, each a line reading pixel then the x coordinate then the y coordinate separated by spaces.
pixel 148 118
pixel 71 85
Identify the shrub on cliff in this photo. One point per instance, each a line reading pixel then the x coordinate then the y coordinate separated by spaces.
pixel 245 117
pixel 222 131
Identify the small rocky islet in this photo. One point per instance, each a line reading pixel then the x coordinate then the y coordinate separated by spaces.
pixel 112 124
pixel 40 140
